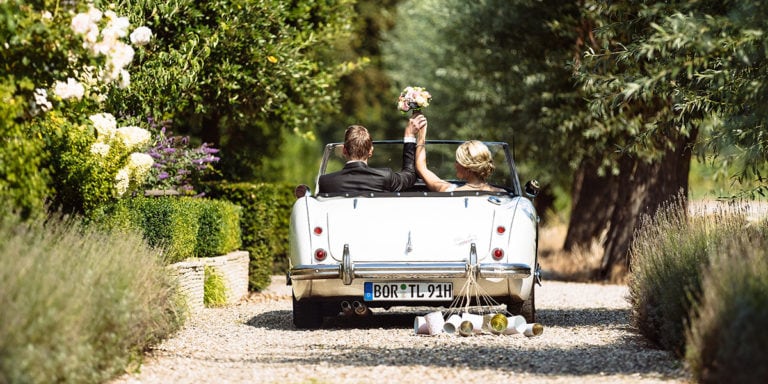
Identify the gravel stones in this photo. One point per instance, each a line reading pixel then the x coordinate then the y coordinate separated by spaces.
pixel 587 338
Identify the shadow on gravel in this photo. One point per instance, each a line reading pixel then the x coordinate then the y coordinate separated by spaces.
pixel 398 319
pixel 582 317
pixel 627 355
pixel 283 320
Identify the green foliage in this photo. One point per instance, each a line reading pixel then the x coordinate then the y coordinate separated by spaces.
pixel 183 226
pixel 219 231
pixel 265 224
pixel 79 305
pixel 214 289
pixel 669 255
pixel 238 74
pixel 82 182
pixel 701 63
pixel 726 339
pixel 22 181
pixel 52 77
pixel 497 71
pixel 170 223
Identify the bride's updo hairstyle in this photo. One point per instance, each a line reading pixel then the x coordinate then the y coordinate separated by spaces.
pixel 475 157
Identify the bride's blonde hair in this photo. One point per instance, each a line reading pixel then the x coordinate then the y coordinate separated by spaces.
pixel 475 157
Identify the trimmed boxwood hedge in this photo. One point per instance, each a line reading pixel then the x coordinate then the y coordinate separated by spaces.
pixel 264 224
pixel 184 226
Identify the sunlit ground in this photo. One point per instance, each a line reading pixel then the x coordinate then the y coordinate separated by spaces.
pixel 710 192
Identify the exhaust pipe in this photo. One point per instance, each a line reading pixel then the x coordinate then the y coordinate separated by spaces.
pixel 360 308
pixel 346 308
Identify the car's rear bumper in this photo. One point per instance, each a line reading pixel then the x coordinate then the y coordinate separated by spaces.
pixel 408 271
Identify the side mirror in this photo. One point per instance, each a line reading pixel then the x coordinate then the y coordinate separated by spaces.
pixel 301 190
pixel 532 188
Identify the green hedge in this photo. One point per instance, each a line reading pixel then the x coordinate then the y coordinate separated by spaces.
pixel 184 226
pixel 219 231
pixel 265 219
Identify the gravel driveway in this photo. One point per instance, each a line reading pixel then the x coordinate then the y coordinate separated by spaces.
pixel 586 339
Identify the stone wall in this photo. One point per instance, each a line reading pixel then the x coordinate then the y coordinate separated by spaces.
pixel 233 267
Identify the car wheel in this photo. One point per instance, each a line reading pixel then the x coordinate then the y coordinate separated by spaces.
pixel 525 308
pixel 307 314
pixel 528 309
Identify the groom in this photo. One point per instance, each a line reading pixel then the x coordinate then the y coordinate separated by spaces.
pixel 356 176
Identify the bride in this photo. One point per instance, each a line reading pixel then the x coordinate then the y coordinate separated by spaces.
pixel 473 164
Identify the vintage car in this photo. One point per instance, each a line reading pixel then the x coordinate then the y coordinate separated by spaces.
pixel 350 252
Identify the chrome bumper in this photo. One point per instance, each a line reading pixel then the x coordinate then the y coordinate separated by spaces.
pixel 347 271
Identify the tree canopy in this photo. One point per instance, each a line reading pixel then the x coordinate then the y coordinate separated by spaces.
pixel 608 100
pixel 240 74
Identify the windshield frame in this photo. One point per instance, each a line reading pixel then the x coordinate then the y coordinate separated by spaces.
pixel 509 181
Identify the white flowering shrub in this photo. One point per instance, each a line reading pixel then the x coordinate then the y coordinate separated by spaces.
pixel 63 59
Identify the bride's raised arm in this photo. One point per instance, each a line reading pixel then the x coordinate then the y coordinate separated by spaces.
pixel 433 182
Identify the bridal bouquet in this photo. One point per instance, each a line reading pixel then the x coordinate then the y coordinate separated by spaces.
pixel 413 99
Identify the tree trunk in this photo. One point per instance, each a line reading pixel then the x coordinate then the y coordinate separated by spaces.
pixel 593 201
pixel 647 187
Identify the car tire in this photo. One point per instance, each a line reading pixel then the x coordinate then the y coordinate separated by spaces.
pixel 525 308
pixel 307 314
pixel 528 309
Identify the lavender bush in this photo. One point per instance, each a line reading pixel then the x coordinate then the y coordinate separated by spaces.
pixel 178 167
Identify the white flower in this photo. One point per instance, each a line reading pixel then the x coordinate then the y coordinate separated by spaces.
pixel 91 36
pixel 121 55
pixel 106 126
pixel 139 164
pixel 68 90
pixel 47 15
pixel 94 14
pixel 116 25
pixel 101 149
pixel 125 79
pixel 81 23
pixel 122 181
pixel 41 100
pixel 133 137
pixel 141 36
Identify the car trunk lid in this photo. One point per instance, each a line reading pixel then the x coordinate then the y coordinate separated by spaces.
pixel 410 229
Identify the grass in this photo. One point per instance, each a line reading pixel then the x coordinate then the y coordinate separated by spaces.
pixel 78 305
pixel 556 264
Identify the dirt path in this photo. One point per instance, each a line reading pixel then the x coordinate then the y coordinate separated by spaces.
pixel 586 339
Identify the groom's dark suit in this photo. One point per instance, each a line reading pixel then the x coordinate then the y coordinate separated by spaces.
pixel 357 176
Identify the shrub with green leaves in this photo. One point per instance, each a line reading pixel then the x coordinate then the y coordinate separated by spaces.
pixel 727 340
pixel 60 61
pixel 265 225
pixel 183 226
pixel 78 305
pixel 667 259
pixel 214 289
pixel 219 232
pixel 240 74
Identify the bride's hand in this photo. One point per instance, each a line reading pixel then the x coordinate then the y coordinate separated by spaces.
pixel 418 120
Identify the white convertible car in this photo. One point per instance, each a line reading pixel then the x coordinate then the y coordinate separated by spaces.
pixel 353 251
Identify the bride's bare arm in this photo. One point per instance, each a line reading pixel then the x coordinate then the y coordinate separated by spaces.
pixel 433 182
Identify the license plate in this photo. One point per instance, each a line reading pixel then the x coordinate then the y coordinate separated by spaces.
pixel 411 291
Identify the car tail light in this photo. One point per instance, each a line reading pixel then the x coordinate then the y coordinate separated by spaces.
pixel 320 254
pixel 497 254
pixel 501 229
pixel 318 231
